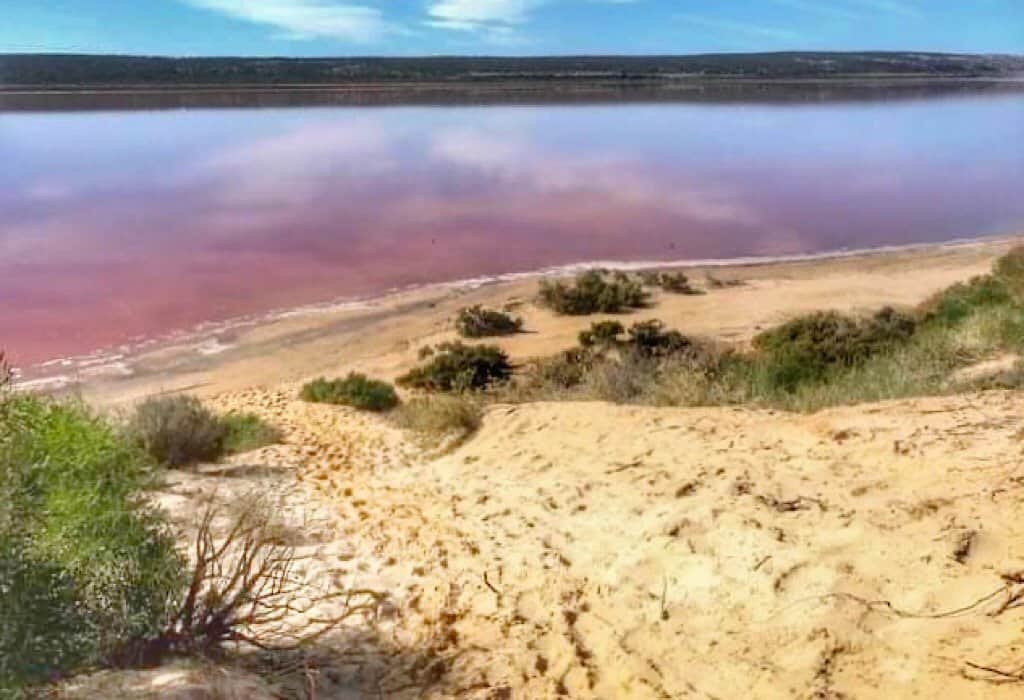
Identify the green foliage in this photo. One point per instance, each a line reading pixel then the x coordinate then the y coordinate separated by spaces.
pixel 954 304
pixel 1009 271
pixel 650 339
pixel 244 432
pixel 177 431
pixel 84 567
pixel 602 334
pixel 593 292
pixel 355 390
pixel 672 282
pixel 478 322
pixel 459 367
pixel 806 348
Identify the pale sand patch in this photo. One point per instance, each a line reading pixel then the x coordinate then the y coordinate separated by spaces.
pixel 594 551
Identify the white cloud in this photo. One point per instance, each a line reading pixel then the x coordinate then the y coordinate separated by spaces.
pixel 495 17
pixel 306 19
pixel 723 26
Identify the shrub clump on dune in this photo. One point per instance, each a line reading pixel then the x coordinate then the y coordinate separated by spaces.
pixel 593 291
pixel 672 282
pixel 805 348
pixel 177 431
pixel 478 322
pixel 440 416
pixel 460 367
pixel 355 390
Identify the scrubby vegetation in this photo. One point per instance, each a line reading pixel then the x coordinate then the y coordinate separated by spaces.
pixel 593 291
pixel 92 577
pixel 813 361
pixel 84 566
pixel 177 431
pixel 356 390
pixel 435 417
pixel 244 432
pixel 460 367
pixel 478 322
pixel 672 282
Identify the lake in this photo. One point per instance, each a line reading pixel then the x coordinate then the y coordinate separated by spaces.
pixel 125 217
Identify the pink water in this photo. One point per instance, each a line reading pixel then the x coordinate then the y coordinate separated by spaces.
pixel 116 225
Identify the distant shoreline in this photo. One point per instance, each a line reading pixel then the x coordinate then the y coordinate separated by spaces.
pixel 536 84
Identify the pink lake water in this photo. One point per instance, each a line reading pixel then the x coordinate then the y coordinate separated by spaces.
pixel 123 223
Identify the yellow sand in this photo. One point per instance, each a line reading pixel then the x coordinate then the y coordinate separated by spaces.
pixel 587 550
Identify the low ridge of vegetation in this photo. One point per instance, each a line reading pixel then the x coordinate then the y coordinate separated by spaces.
pixel 672 282
pixel 592 292
pixel 355 390
pixel 478 322
pixel 459 367
pixel 809 362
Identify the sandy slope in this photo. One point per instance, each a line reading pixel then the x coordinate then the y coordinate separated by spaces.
pixel 596 551
pixel 670 553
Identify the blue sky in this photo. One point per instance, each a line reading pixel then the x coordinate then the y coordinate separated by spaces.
pixel 414 27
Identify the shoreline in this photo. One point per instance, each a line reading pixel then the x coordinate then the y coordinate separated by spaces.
pixel 205 351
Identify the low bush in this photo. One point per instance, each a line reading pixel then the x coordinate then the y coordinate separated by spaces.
pixel 805 348
pixel 84 566
pixel 954 304
pixel 177 431
pixel 650 339
pixel 439 416
pixel 356 390
pixel 601 334
pixel 593 292
pixel 676 282
pixel 1009 271
pixel 478 322
pixel 244 432
pixel 459 367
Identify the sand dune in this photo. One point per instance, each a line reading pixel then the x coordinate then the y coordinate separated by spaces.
pixel 598 551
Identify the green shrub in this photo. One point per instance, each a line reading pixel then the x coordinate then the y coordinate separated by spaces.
pixel 805 348
pixel 356 390
pixel 677 282
pixel 85 568
pixel 1009 271
pixel 592 292
pixel 650 339
pixel 953 304
pixel 478 322
pixel 459 367
pixel 177 431
pixel 602 334
pixel 245 432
